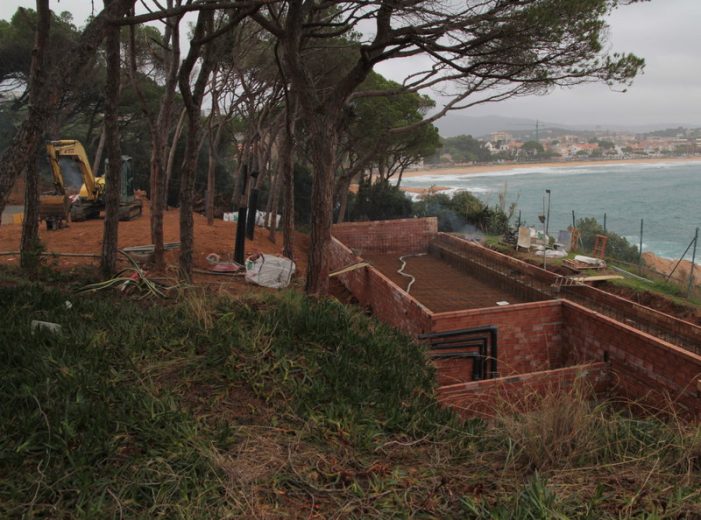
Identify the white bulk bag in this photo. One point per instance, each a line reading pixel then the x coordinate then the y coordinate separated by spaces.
pixel 269 270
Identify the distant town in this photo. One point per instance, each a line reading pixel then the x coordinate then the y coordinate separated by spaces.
pixel 553 144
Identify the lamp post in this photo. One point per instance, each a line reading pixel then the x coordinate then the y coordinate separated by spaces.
pixel 547 216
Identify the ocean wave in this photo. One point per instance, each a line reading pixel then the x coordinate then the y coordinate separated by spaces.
pixel 560 168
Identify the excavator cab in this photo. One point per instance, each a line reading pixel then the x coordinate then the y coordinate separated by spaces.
pixel 79 195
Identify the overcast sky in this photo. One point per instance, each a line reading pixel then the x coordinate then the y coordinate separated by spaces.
pixel 664 32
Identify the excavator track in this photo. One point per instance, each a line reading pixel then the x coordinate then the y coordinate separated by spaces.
pixel 131 211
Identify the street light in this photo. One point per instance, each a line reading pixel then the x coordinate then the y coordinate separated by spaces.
pixel 547 217
pixel 547 225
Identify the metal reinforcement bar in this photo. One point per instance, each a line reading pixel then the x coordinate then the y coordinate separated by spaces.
pixel 525 285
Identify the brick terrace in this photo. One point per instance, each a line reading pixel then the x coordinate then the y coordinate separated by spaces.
pixel 542 344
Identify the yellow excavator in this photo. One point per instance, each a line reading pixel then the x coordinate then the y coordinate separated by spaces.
pixel 79 195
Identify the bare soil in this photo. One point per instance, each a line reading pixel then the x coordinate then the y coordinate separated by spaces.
pixel 86 237
pixel 440 286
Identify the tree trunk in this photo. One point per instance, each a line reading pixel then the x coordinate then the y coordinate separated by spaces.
pixel 276 186
pixel 211 170
pixel 215 140
pixel 37 84
pixel 344 186
pixel 288 186
pixel 401 174
pixel 160 198
pixel 192 98
pixel 99 151
pixel 112 177
pixel 64 73
pixel 187 184
pixel 30 243
pixel 172 150
pixel 324 144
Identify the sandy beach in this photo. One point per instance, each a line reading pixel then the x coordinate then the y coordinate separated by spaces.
pixel 487 168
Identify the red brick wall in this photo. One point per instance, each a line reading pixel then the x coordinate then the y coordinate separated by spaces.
pixel 521 392
pixel 491 256
pixel 643 366
pixel 410 235
pixel 374 290
pixel 528 336
pixel 668 327
pixel 532 337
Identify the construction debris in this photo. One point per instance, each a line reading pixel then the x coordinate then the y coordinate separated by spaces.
pixel 45 325
pixel 580 263
pixel 149 248
pixel 269 270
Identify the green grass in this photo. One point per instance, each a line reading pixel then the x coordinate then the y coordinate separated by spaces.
pixel 209 406
pixel 673 291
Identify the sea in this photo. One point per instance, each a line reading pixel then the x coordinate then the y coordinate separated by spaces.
pixel 666 196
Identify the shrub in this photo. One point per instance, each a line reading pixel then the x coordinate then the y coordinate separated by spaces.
pixel 617 247
pixel 380 201
pixel 463 208
pixel 438 205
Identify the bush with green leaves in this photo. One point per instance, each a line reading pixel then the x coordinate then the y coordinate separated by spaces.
pixel 461 209
pixel 379 201
pixel 617 246
pixel 438 205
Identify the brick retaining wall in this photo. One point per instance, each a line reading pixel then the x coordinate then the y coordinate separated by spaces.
pixel 521 392
pixel 529 337
pixel 670 328
pixel 378 293
pixel 536 341
pixel 644 367
pixel 406 236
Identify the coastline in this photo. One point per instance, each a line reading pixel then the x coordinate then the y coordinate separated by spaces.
pixel 491 168
pixel 667 265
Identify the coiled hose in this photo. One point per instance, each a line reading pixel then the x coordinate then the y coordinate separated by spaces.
pixel 407 275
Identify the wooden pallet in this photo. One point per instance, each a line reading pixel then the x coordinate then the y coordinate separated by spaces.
pixel 576 266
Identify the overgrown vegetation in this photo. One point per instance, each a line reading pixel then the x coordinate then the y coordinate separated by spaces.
pixel 617 246
pixel 379 201
pixel 382 200
pixel 462 209
pixel 215 407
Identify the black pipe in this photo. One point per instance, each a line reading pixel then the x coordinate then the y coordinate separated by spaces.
pixel 252 206
pixel 252 210
pixel 490 329
pixel 240 241
pixel 479 371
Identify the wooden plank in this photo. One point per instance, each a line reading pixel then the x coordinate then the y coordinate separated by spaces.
pixel 598 278
pixel 349 268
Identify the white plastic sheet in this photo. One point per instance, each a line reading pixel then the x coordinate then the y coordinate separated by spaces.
pixel 261 218
pixel 270 270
